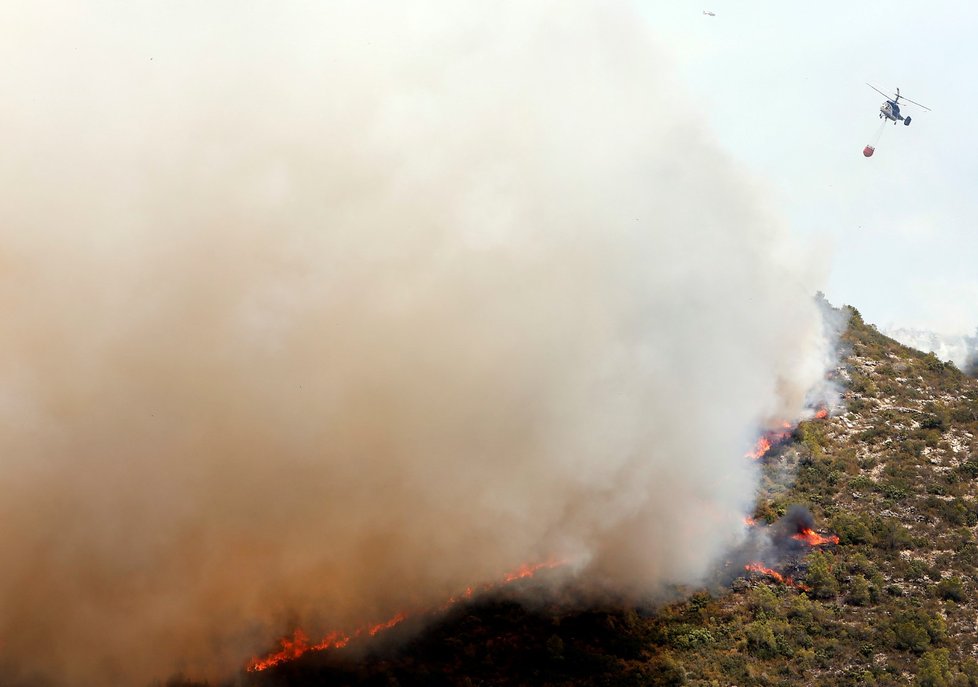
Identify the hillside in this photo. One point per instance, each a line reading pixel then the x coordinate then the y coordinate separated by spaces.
pixel 892 472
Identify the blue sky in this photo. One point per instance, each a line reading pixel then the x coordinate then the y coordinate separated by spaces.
pixel 782 88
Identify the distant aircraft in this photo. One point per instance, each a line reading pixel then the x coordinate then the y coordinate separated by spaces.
pixel 889 112
pixel 709 13
pixel 891 108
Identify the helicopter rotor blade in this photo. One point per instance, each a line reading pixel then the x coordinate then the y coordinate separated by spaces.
pixel 885 95
pixel 913 103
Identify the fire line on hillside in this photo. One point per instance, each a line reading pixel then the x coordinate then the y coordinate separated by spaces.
pixel 299 644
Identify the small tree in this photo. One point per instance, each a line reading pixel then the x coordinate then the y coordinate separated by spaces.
pixel 934 669
pixel 761 641
pixel 859 591
pixel 950 589
pixel 821 578
pixel 665 671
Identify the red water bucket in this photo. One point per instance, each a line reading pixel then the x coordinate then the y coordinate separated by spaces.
pixel 868 151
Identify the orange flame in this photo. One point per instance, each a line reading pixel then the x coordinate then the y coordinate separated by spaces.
pixel 525 571
pixel 298 645
pixel 760 448
pixel 769 440
pixel 775 575
pixel 813 538
pixel 294 647
pixel 821 413
pixel 291 648
pixel 386 625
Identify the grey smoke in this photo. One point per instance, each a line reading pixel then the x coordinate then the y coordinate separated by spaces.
pixel 772 544
pixel 319 310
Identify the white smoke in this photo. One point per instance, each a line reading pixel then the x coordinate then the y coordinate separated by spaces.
pixel 314 311
pixel 960 349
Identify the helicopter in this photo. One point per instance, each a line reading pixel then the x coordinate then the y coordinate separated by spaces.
pixel 891 108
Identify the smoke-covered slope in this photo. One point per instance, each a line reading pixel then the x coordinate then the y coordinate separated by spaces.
pixel 894 473
pixel 313 311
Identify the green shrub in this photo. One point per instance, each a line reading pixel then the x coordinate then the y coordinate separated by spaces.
pixel 934 669
pixel 891 535
pixel 950 589
pixel 761 640
pixel 851 528
pixel 910 636
pixel 820 577
pixel 689 637
pixel 858 591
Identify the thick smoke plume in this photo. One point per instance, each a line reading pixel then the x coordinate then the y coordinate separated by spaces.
pixel 315 311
